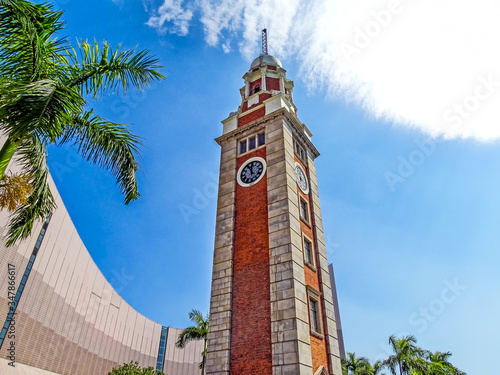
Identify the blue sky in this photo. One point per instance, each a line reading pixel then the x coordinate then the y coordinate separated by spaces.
pixel 406 123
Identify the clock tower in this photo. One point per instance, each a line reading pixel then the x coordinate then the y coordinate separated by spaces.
pixel 271 307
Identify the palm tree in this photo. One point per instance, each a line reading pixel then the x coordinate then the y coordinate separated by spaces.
pixel 407 356
pixel 442 359
pixel 353 365
pixel 438 364
pixel 197 332
pixel 44 83
pixel 376 369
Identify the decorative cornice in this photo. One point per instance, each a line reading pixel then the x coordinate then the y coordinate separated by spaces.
pixel 313 291
pixel 245 129
pixel 297 127
pixel 299 132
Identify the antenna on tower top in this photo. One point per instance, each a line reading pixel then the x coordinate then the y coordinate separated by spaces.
pixel 264 41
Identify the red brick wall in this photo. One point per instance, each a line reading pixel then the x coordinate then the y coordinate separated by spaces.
pixel 261 112
pixel 318 353
pixel 251 308
pixel 311 276
pixel 257 82
pixel 262 97
pixel 272 83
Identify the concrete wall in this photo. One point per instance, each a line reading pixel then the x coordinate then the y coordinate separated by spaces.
pixel 182 361
pixel 69 319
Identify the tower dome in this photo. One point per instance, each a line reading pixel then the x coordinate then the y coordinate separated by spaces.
pixel 266 59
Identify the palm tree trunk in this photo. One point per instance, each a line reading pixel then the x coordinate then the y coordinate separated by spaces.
pixel 204 357
pixel 6 153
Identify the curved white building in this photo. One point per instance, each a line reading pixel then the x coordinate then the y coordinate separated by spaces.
pixel 66 318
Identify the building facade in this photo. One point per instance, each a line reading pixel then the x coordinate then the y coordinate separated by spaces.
pixel 59 315
pixel 271 309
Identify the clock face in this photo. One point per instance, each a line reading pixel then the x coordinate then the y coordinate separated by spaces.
pixel 251 171
pixel 301 178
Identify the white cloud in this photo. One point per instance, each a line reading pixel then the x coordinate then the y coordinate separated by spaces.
pixel 427 64
pixel 245 19
pixel 171 12
pixel 226 47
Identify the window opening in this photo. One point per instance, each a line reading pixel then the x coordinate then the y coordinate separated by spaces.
pixel 243 146
pixel 304 210
pixel 262 139
pixel 308 251
pixel 313 314
pixel 251 143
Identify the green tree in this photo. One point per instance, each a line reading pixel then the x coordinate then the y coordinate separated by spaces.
pixel 407 356
pixel 133 368
pixel 44 84
pixel 376 368
pixel 197 332
pixel 408 359
pixel 353 365
pixel 437 363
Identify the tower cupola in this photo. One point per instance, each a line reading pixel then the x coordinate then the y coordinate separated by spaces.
pixel 267 60
pixel 266 90
pixel 266 75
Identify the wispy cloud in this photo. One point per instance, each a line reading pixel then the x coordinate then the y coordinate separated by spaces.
pixel 243 20
pixel 173 14
pixel 406 61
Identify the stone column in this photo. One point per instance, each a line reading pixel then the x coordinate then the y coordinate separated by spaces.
pixel 218 347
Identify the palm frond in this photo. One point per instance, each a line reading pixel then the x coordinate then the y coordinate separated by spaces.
pixel 43 81
pixel 353 365
pixel 100 69
pixel 26 38
pixel 40 203
pixel 41 107
pixel 407 357
pixel 439 363
pixel 108 145
pixel 187 335
pixel 196 317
